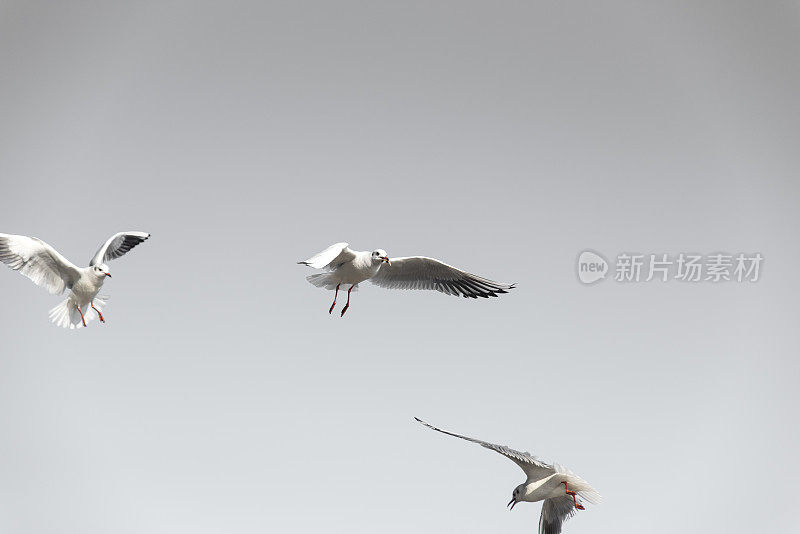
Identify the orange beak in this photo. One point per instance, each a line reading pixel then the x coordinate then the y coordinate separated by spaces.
pixel 386 259
pixel 108 275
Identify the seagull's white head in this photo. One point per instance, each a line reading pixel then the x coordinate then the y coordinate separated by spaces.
pixel 101 271
pixel 379 256
pixel 517 496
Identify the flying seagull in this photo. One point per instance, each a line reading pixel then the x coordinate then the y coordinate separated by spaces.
pixel 350 267
pixel 43 264
pixel 559 488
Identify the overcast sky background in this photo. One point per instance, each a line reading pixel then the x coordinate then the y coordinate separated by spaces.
pixel 503 138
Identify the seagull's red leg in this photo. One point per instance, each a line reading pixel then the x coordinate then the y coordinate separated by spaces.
pixel 572 494
pixel 100 315
pixel 334 299
pixel 348 300
pixel 82 317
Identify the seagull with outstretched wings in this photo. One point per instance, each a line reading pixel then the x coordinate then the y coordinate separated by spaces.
pixel 345 266
pixel 44 265
pixel 559 488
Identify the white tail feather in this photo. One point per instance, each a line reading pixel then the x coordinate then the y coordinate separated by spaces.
pixel 591 496
pixel 327 280
pixel 583 488
pixel 66 314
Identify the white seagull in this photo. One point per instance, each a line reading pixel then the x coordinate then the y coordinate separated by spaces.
pixel 556 485
pixel 43 264
pixel 350 267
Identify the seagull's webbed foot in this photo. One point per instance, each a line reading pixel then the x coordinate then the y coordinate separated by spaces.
pixel 334 299
pixel 573 494
pixel 83 319
pixel 347 305
pixel 100 315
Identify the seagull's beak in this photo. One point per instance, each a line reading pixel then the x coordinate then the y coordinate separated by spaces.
pixel 512 503
pixel 386 259
pixel 108 275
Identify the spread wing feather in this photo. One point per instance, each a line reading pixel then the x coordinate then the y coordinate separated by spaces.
pixel 117 246
pixel 330 257
pixel 38 261
pixel 419 272
pixel 535 468
pixel 554 513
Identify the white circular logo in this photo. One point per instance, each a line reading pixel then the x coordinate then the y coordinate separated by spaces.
pixel 591 267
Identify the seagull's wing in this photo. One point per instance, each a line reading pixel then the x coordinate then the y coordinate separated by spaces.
pixel 38 261
pixel 331 257
pixel 554 512
pixel 535 468
pixel 117 246
pixel 419 272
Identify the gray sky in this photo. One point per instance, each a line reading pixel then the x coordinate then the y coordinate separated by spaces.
pixel 503 138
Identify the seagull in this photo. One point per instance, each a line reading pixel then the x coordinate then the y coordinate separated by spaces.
pixel 40 262
pixel 350 267
pixel 556 485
